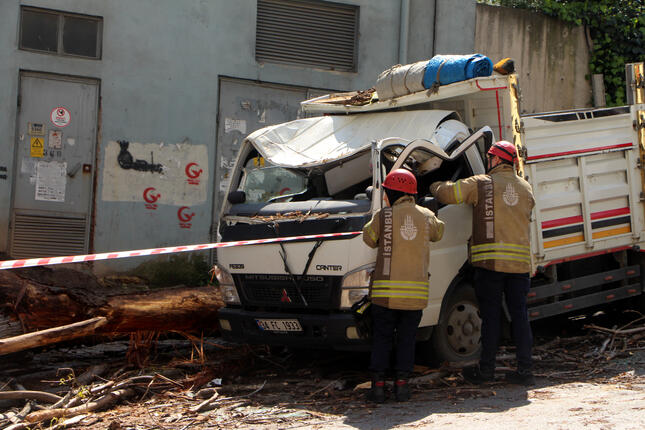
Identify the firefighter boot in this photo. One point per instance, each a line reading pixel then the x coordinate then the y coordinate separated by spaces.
pixel 402 387
pixel 477 376
pixel 521 377
pixel 377 392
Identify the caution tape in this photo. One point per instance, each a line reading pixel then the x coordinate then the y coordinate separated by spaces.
pixel 48 261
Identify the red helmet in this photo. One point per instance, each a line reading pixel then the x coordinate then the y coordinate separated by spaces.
pixel 504 150
pixel 401 180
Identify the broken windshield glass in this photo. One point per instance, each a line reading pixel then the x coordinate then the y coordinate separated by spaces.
pixel 264 184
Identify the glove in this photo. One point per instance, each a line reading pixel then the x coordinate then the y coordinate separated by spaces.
pixel 362 313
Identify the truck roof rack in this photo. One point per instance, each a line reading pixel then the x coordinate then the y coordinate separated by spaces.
pixel 333 103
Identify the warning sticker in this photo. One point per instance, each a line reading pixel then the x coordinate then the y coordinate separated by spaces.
pixel 36 129
pixel 55 139
pixel 60 116
pixel 51 179
pixel 37 147
pixel 231 124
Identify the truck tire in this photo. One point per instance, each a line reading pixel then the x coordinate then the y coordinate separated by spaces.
pixel 456 338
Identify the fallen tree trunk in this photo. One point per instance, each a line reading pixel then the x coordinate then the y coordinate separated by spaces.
pixel 50 335
pixel 44 298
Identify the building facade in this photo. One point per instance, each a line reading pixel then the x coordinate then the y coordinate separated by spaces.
pixel 121 118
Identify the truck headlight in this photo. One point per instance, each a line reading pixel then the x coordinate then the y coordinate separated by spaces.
pixel 226 285
pixel 355 285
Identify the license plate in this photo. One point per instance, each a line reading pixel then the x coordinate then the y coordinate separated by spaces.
pixel 279 325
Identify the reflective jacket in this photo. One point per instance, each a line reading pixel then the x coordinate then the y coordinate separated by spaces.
pixel 402 233
pixel 502 204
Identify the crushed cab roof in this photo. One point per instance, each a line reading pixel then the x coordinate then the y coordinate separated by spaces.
pixel 313 141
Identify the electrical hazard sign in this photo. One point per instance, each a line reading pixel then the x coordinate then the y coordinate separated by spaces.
pixel 37 147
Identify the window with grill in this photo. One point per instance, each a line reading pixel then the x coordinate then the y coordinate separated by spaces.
pixel 306 32
pixel 60 33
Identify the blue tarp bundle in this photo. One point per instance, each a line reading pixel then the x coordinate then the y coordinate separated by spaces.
pixel 456 68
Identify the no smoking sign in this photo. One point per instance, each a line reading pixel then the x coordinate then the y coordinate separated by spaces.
pixel 60 116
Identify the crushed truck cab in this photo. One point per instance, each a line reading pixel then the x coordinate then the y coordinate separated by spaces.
pixel 323 175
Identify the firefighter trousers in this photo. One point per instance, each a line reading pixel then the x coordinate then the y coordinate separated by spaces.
pixel 490 287
pixel 386 323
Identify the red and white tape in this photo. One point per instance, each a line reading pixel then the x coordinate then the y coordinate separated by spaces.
pixel 48 261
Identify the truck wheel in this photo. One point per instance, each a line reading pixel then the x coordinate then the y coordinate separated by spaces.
pixel 457 336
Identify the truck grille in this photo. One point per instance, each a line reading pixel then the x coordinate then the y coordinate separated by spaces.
pixel 280 291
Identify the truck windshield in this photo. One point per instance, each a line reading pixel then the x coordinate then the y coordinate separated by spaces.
pixel 263 184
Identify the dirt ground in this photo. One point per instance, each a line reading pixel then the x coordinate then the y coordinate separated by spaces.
pixel 611 402
pixel 580 385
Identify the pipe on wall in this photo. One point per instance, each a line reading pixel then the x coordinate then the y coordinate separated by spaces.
pixel 434 29
pixel 403 31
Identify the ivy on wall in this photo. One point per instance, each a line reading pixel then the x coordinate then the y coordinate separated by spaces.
pixel 617 28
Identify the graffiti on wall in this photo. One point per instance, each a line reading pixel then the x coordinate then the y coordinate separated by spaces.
pixel 155 173
pixel 193 172
pixel 185 216
pixel 150 196
pixel 126 161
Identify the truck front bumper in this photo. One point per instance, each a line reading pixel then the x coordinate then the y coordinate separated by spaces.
pixel 331 331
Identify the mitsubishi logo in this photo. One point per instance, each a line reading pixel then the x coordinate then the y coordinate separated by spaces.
pixel 285 297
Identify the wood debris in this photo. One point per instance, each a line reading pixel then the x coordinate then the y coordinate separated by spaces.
pixel 250 386
pixel 295 215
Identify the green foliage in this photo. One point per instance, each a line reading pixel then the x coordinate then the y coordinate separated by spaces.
pixel 617 28
pixel 179 269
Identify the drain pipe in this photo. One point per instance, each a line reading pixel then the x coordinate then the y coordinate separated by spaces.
pixel 434 30
pixel 403 31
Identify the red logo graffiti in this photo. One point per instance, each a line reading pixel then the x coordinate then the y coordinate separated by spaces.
pixel 150 197
pixel 184 218
pixel 193 172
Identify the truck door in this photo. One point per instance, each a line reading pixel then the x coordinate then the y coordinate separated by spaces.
pixel 456 158
pixel 54 165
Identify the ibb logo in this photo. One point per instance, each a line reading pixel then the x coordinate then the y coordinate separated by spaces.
pixel 193 172
pixel 151 196
pixel 185 217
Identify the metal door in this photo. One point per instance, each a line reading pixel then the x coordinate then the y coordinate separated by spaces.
pixel 54 165
pixel 246 106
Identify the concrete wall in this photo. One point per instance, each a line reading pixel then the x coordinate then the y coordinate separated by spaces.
pixel 551 57
pixel 454 30
pixel 159 86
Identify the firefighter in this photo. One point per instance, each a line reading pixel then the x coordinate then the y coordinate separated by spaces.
pixel 402 231
pixel 500 254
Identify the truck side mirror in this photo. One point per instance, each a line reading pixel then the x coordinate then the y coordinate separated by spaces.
pixel 429 203
pixel 236 197
pixel 368 192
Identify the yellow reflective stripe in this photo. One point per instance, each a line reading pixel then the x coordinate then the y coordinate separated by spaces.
pixel 499 256
pixel 497 245
pixel 370 231
pixel 456 188
pixel 389 282
pixel 403 296
pixel 503 252
pixel 510 254
pixel 399 288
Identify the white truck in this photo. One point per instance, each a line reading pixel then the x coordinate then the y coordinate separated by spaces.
pixel 323 175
